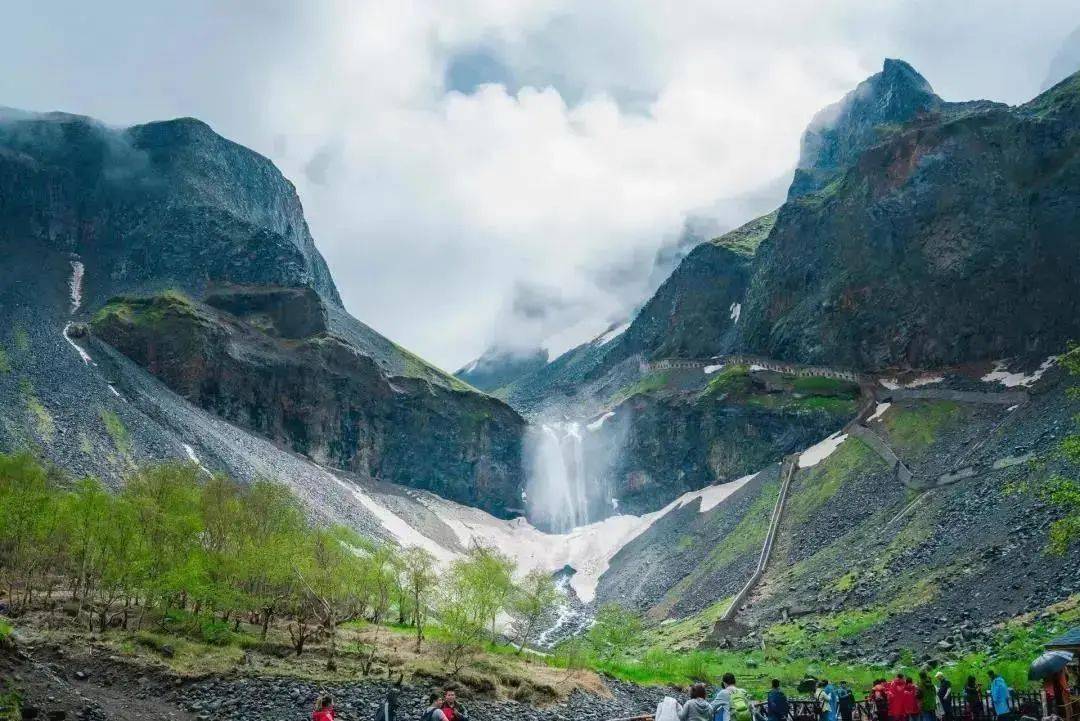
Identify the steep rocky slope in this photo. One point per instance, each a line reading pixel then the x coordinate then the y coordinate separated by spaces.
pixel 864 566
pixel 172 210
pixel 952 240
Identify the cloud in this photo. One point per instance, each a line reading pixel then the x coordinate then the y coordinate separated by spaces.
pixel 455 156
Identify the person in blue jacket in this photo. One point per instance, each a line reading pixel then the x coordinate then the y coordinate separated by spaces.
pixel 834 700
pixel 999 694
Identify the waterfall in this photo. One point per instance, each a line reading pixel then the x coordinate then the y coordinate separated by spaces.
pixel 557 490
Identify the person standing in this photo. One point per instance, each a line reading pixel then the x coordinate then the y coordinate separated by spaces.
pixel 452 708
pixel 845 701
pixel 911 699
pixel 776 703
pixel 324 709
pixel 896 692
pixel 944 696
pixel 722 698
pixel 697 708
pixel 834 700
pixel 434 710
pixel 879 696
pixel 821 695
pixel 927 697
pixel 999 694
pixel 973 701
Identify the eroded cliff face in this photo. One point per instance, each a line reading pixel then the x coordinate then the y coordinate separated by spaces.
pixel 199 253
pixel 272 367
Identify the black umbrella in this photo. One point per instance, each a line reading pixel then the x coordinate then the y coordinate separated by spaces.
pixel 1048 664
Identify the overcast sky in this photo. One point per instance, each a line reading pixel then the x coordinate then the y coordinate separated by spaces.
pixel 498 170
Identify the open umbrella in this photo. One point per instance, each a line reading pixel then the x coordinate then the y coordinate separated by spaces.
pixel 1048 664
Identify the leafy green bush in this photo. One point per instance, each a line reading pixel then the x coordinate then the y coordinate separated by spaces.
pixel 10 704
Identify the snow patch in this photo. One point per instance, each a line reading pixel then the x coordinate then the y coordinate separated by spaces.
pixel 587 549
pixel 612 334
pixel 815 454
pixel 405 534
pixel 709 370
pixel 114 391
pixel 879 411
pixel 736 312
pixel 75 284
pixel 595 425
pixel 754 368
pixel 1010 409
pixel 191 455
pixel 892 383
pixel 1001 374
pixel 471 367
pixel 78 348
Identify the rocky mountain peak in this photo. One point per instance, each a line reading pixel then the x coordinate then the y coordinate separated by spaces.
pixel 840 132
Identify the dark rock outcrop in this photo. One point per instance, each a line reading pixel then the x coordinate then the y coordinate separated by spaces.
pixel 316 395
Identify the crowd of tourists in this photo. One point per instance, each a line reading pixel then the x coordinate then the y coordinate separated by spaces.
pixel 440 707
pixel 900 699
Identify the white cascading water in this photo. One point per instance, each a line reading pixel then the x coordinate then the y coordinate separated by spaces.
pixel 556 491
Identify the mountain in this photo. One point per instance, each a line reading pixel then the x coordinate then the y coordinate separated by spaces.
pixel 951 240
pixel 497 367
pixel 918 234
pixel 191 256
pixel 878 106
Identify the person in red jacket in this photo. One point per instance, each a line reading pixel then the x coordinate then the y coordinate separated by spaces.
pixel 452 708
pixel 911 691
pixel 894 690
pixel 324 709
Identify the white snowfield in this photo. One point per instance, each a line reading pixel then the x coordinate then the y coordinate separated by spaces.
pixel 1001 374
pixel 815 454
pixel 879 411
pixel 712 369
pixel 736 312
pixel 892 384
pixel 587 549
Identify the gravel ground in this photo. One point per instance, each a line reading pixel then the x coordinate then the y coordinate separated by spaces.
pixel 74 684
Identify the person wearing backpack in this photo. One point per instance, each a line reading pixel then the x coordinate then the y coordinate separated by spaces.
pixel 776 703
pixel 731 703
pixel 434 710
pixel 739 708
pixel 821 697
pixel 387 710
pixel 845 701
